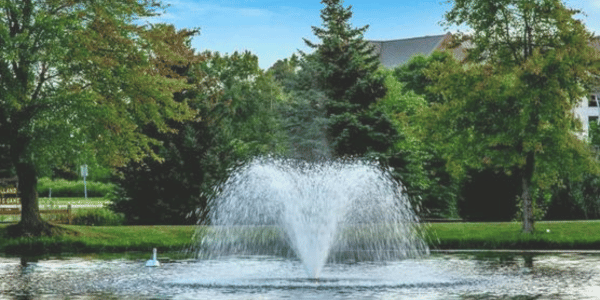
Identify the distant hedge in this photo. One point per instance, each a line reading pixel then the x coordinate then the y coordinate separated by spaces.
pixel 65 188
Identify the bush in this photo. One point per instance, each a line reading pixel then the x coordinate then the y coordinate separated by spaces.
pixel 65 188
pixel 98 217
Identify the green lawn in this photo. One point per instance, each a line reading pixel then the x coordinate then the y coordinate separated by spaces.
pixel 572 235
pixel 568 235
pixel 99 239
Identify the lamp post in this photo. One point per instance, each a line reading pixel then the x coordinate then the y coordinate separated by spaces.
pixel 84 174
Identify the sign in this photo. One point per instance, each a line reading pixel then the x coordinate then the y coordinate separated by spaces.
pixel 84 174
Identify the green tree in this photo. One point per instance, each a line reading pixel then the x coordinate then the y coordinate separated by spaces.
pixel 510 108
pixel 237 106
pixel 412 74
pixel 439 191
pixel 81 78
pixel 303 110
pixel 345 71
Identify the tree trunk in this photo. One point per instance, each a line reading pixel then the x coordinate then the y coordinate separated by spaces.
pixel 31 221
pixel 526 193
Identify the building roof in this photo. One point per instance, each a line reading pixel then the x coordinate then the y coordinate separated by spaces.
pixel 393 53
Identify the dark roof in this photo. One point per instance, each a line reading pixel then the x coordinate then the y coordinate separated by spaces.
pixel 393 53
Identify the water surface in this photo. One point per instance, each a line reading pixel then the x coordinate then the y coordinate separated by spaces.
pixel 438 276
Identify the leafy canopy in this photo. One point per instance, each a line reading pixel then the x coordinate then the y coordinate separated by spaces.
pixel 510 107
pixel 79 76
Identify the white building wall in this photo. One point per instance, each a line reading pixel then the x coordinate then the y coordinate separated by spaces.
pixel 588 111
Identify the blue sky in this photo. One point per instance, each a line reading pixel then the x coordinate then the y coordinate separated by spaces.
pixel 273 29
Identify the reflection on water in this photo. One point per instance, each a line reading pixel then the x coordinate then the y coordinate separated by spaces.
pixel 439 276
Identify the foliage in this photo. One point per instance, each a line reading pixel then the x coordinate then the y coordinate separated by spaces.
pixel 284 71
pixel 577 199
pixel 510 108
pixel 412 74
pixel 578 195
pixel 306 125
pixel 97 217
pixel 72 172
pixel 303 113
pixel 237 119
pixel 78 80
pixel 345 68
pixel 418 160
pixel 67 188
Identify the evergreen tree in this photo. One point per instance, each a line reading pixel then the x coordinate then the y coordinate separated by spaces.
pixel 347 75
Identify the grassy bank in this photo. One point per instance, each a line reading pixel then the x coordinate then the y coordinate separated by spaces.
pixel 568 235
pixel 99 239
pixel 573 235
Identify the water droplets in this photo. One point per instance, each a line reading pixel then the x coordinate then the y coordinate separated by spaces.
pixel 334 210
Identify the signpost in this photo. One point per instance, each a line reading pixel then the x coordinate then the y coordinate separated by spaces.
pixel 84 174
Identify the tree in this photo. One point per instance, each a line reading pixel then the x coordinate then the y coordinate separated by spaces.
pixel 412 74
pixel 237 119
pixel 345 70
pixel 81 78
pixel 510 107
pixel 439 191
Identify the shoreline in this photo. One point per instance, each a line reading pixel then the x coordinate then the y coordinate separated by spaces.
pixel 563 237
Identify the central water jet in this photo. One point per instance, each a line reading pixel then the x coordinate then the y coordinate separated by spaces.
pixel 335 210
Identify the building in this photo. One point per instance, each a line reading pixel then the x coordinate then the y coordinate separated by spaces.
pixel 393 53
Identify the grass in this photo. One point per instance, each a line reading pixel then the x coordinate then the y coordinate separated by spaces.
pixel 568 235
pixel 572 235
pixel 101 239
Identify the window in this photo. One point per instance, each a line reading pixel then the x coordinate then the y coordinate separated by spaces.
pixel 592 119
pixel 593 101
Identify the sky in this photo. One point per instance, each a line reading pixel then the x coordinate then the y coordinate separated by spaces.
pixel 274 29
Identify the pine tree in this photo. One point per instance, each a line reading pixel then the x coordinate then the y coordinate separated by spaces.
pixel 348 76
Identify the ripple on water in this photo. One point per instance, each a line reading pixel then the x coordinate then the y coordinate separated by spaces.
pixel 439 276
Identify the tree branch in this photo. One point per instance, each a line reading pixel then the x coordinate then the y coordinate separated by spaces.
pixel 508 37
pixel 41 81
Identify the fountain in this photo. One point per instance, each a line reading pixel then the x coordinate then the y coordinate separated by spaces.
pixel 285 229
pixel 344 210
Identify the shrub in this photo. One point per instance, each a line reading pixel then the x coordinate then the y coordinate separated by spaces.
pixel 65 188
pixel 97 217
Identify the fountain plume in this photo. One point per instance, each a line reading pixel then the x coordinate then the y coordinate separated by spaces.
pixel 318 212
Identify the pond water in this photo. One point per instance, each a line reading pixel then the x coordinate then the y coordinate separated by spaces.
pixel 476 275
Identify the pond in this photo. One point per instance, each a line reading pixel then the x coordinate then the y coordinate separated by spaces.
pixel 461 275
